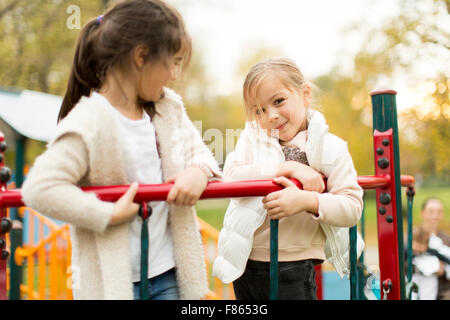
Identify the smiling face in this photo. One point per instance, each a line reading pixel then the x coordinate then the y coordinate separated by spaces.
pixel 279 110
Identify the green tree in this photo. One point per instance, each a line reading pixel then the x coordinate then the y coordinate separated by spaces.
pixel 344 101
pixel 36 44
pixel 432 132
pixel 413 46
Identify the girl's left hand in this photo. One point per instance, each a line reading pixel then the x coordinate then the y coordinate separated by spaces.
pixel 189 186
pixel 289 201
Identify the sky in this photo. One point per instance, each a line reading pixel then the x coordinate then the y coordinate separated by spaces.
pixel 309 32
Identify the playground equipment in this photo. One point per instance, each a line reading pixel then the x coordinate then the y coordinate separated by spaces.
pixel 387 182
pixel 45 258
pixel 50 252
pixel 6 224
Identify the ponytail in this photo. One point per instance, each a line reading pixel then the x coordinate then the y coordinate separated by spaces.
pixel 107 41
pixel 84 74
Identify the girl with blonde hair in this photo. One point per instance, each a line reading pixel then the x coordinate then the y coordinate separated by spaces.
pixel 283 138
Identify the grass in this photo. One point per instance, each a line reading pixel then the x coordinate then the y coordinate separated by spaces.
pixel 213 211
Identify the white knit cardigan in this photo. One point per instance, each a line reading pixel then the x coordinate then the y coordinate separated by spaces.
pixel 86 152
pixel 245 215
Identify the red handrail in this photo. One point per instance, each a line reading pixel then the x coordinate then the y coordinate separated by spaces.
pixel 215 189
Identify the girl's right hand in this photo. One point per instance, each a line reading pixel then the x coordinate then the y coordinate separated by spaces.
pixel 189 185
pixel 308 177
pixel 124 208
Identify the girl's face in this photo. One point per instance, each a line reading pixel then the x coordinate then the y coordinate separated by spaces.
pixel 282 111
pixel 155 75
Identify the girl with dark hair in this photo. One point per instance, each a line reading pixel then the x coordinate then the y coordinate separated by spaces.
pixel 119 124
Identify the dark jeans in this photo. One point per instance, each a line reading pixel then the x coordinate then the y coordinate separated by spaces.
pixel 295 281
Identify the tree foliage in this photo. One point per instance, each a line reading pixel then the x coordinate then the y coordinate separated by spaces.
pixel 36 44
pixel 413 46
pixel 36 52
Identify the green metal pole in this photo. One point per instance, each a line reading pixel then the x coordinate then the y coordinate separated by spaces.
pixel 143 289
pixel 385 117
pixel 16 274
pixel 145 211
pixel 20 161
pixel 273 294
pixel 353 263
pixel 362 222
pixel 16 235
pixel 360 262
pixel 410 287
pixel 410 197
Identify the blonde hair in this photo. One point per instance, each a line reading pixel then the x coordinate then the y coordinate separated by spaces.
pixel 287 71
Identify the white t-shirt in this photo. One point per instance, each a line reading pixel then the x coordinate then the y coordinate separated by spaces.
pixel 143 165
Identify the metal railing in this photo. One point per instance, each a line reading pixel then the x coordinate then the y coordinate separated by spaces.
pixel 46 258
pixel 387 181
pixel 210 238
pixel 151 193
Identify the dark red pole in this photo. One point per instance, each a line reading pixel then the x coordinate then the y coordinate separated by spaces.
pixel 319 281
pixel 388 247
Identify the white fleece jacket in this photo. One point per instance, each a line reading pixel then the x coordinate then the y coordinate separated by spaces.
pixel 87 152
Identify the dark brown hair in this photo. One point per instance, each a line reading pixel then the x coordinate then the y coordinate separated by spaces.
pixel 421 236
pixel 108 41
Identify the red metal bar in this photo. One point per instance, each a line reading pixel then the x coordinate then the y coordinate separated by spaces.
pixel 373 182
pixel 217 189
pixel 158 192
pixel 251 188
pixel 382 91
pixel 407 181
pixel 387 214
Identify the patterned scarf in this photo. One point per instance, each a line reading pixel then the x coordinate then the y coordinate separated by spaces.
pixel 295 154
